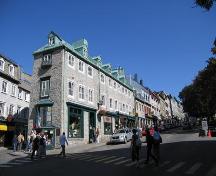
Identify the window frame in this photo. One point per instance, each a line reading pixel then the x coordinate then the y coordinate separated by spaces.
pixel 91 98
pixel 83 66
pixel 72 87
pixel 4 89
pixel 3 64
pixel 44 80
pixel 102 80
pixel 91 76
pixel 70 56
pixel 11 72
pixel 82 93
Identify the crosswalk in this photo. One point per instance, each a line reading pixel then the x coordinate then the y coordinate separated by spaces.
pixel 168 166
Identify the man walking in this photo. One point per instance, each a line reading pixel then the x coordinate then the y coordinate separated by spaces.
pixel 150 141
pixel 63 140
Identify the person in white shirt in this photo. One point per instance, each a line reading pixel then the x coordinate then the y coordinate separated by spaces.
pixel 63 140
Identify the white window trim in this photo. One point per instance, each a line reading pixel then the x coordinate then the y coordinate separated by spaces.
pixel 72 81
pixel 104 78
pixel 45 85
pixel 20 94
pixel 1 59
pixel 92 102
pixel 83 72
pixel 110 83
pixel 116 107
pixel 91 76
pixel 6 87
pixel 13 70
pixel 71 66
pixel 13 85
pixel 79 93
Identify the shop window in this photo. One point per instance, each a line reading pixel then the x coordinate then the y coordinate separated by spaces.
pixel 75 129
pixel 45 116
pixel 108 125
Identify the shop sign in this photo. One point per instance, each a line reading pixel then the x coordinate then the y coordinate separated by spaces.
pixel 107 119
pixel 3 127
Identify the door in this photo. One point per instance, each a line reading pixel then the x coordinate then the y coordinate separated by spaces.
pixel 92 127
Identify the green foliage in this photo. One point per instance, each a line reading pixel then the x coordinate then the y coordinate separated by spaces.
pixel 199 98
pixel 206 4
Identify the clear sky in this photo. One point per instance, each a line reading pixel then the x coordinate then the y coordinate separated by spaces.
pixel 165 42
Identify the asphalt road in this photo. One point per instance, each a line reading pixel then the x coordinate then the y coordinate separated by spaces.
pixel 182 153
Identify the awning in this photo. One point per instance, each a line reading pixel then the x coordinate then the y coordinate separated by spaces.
pixel 44 102
pixel 3 127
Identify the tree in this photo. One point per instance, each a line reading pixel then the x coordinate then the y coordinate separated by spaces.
pixel 199 98
pixel 206 4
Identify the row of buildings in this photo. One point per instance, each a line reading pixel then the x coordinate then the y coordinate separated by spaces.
pixel 75 93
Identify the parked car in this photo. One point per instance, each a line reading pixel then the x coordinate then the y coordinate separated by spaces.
pixel 212 129
pixel 121 136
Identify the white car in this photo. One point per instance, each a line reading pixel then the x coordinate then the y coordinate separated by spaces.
pixel 121 136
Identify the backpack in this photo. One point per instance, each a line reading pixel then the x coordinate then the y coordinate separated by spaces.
pixel 138 142
pixel 157 138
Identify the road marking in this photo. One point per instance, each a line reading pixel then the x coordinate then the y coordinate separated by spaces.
pixel 212 172
pixel 117 159
pixel 78 156
pixel 133 163
pixel 164 163
pixel 86 157
pixel 4 165
pixel 178 165
pixel 13 163
pixel 104 159
pixel 23 161
pixel 97 157
pixel 194 168
pixel 121 162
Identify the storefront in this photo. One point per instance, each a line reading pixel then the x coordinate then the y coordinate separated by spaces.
pixel 81 123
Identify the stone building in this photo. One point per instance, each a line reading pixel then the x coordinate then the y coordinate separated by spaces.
pixel 75 93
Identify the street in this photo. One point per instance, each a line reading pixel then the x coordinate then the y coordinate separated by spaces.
pixel 181 154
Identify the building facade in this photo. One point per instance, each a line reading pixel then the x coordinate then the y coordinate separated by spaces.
pixel 14 100
pixel 76 94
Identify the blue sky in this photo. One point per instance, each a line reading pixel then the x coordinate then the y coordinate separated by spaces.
pixel 165 42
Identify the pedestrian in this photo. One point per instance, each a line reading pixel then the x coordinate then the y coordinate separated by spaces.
pixel 150 141
pixel 42 146
pixel 156 145
pixel 135 147
pixel 63 140
pixel 14 141
pixel 35 146
pixel 97 135
pixel 20 140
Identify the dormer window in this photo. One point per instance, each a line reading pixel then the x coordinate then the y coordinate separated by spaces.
pixel 2 62
pixel 11 70
pixel 47 60
pixel 52 41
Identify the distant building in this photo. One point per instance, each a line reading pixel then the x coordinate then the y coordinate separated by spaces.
pixel 14 99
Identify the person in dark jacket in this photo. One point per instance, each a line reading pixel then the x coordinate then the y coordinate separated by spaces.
pixel 150 141
pixel 136 146
pixel 35 146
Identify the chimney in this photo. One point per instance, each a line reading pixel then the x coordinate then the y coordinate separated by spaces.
pixel 136 77
pixel 141 82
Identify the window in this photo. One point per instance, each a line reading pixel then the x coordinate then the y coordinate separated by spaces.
pixel 102 78
pixel 52 41
pixel 103 100
pixel 2 107
pixel 13 90
pixel 122 89
pixel 90 95
pixel 123 107
pixel 126 91
pixel 116 105
pixel 20 93
pixel 2 62
pixel 71 60
pixel 90 71
pixel 4 86
pixel 45 88
pixel 126 108
pixel 81 92
pixel 120 106
pixel 71 88
pixel 110 82
pixel 18 111
pixel 81 66
pixel 45 116
pixel 107 125
pixel 114 85
pixel 11 109
pixel 75 124
pixel 11 70
pixel 47 59
pixel 110 103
